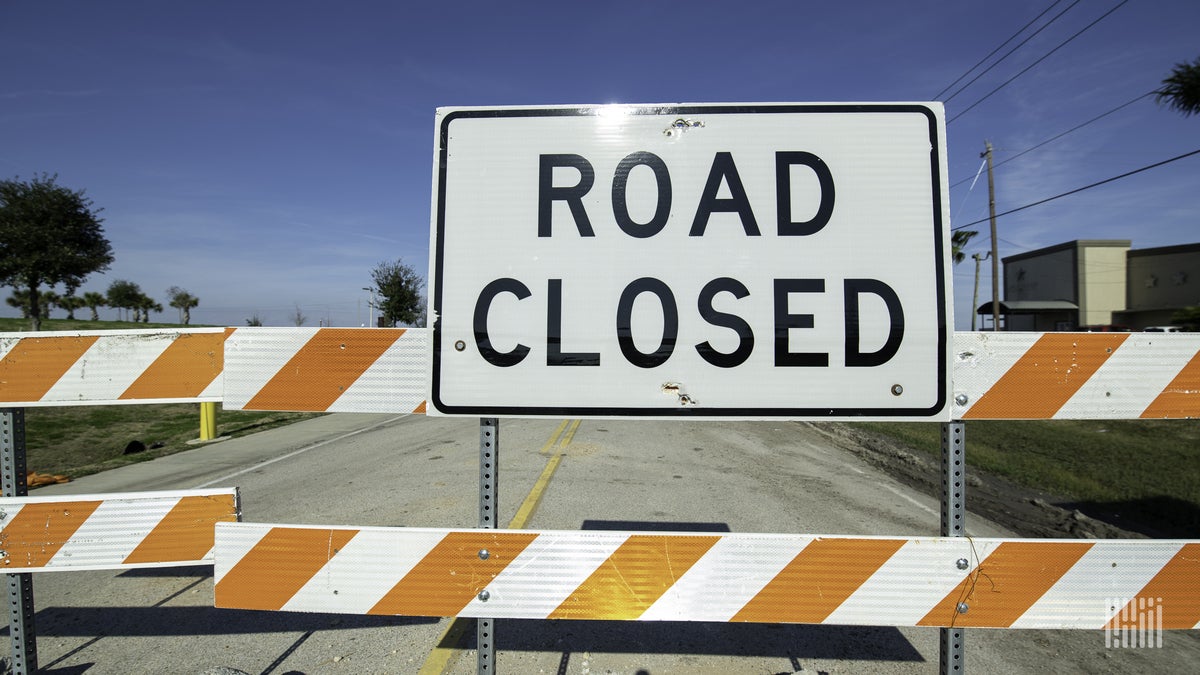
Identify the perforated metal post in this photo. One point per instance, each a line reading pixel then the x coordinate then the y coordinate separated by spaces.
pixel 489 470
pixel 20 586
pixel 954 515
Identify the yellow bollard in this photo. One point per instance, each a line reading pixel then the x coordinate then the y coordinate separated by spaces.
pixel 208 421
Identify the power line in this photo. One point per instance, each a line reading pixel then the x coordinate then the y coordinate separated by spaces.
pixel 1085 187
pixel 1010 52
pixel 1043 58
pixel 993 52
pixel 1068 131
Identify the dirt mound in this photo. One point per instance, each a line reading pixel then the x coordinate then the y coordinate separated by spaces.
pixel 1027 512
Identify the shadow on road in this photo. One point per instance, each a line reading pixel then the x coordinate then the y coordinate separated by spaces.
pixel 866 643
pixel 190 621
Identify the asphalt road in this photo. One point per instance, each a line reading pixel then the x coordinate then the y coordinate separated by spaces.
pixel 359 470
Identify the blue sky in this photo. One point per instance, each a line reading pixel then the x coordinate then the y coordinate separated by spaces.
pixel 266 155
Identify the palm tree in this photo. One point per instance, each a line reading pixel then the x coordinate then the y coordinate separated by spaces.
pixel 145 305
pixel 93 301
pixel 49 300
pixel 1181 91
pixel 72 303
pixel 184 301
pixel 20 300
pixel 958 242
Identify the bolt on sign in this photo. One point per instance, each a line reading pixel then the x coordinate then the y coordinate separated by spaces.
pixel 745 261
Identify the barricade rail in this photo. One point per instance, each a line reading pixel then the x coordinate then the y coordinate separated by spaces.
pixel 876 580
pixel 995 375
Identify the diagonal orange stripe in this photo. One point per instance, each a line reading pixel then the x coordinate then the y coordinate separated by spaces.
pixel 452 574
pixel 1046 376
pixel 1181 398
pixel 420 410
pixel 634 577
pixel 278 566
pixel 1175 589
pixel 33 365
pixel 186 532
pixel 183 370
pixel 38 531
pixel 818 580
pixel 1006 584
pixel 324 368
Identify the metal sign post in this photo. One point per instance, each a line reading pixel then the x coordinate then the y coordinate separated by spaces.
pixel 954 513
pixel 20 586
pixel 489 469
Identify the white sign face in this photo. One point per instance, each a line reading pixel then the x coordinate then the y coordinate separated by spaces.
pixel 726 261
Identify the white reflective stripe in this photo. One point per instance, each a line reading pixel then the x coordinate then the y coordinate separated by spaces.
pixel 108 367
pixel 981 359
pixel 396 382
pixel 112 532
pixel 1105 572
pixel 253 356
pixel 9 508
pixel 545 574
pixel 215 390
pixel 915 579
pixel 739 568
pixel 363 571
pixel 1131 378
pixel 6 345
pixel 231 543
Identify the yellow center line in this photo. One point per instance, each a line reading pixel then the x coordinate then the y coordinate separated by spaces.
pixel 554 437
pixel 451 641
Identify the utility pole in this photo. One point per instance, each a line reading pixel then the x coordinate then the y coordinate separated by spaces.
pixel 975 298
pixel 371 306
pixel 995 248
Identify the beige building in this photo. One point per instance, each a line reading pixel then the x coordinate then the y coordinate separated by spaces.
pixel 1064 287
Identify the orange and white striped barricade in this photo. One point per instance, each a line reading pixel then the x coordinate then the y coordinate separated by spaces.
pixel 112 531
pixel 369 370
pixel 1076 376
pixel 761 578
pixel 110 367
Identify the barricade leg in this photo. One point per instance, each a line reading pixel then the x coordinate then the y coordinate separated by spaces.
pixel 20 586
pixel 954 513
pixel 489 469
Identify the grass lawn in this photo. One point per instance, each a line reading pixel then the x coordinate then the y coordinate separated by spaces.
pixel 1151 467
pixel 79 440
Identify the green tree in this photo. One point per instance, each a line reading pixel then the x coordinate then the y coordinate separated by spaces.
pixel 48 235
pixel 958 244
pixel 1181 90
pixel 20 300
pixel 399 289
pixel 1188 317
pixel 183 301
pixel 71 303
pixel 145 305
pixel 47 300
pixel 124 295
pixel 94 301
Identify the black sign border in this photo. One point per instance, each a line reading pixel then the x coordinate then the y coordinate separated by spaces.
pixel 943 329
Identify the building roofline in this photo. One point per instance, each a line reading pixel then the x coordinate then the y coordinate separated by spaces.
pixel 1067 246
pixel 1164 250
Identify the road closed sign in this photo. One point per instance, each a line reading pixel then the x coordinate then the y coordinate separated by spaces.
pixel 757 261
